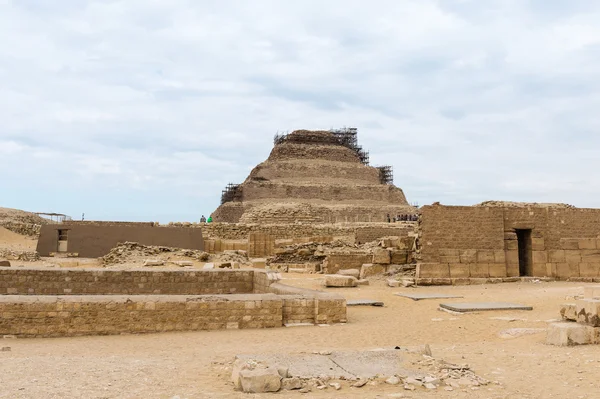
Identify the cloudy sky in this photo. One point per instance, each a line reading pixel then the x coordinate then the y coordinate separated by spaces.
pixel 146 109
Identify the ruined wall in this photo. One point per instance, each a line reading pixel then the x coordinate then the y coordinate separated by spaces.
pixel 479 242
pixel 53 316
pixel 92 240
pixel 39 281
pixel 400 229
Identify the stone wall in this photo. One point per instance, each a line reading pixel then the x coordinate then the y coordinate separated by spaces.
pixel 40 281
pixel 400 229
pixel 95 239
pixel 343 261
pixel 314 171
pixel 53 316
pixel 240 231
pixel 266 304
pixel 481 242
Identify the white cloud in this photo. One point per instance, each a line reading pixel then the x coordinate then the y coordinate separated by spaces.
pixel 468 100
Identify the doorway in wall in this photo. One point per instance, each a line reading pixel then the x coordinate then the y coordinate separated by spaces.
pixel 525 255
pixel 63 237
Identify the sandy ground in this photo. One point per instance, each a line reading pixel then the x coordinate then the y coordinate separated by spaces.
pixel 196 364
pixel 16 242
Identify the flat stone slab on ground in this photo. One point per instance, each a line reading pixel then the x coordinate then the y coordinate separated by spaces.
pixel 363 302
pixel 351 364
pixel 422 296
pixel 481 306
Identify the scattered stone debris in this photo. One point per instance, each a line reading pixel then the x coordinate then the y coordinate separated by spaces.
pixel 25 256
pixel 131 252
pixel 363 302
pixel 409 369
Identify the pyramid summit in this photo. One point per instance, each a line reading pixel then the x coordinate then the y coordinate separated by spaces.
pixel 314 176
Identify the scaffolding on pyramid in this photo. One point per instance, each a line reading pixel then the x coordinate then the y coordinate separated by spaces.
pixel 386 174
pixel 233 192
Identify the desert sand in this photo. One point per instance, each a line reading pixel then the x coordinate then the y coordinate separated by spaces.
pixel 198 364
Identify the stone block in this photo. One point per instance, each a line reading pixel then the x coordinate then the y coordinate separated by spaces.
pixel 587 243
pixel 393 283
pixel 208 266
pixel 400 257
pixel 588 312
pixel 538 244
pixel 591 292
pixel 589 269
pixel 4 263
pixel 569 334
pixel 479 270
pixel 568 311
pixel 500 256
pixel 497 270
pixel 290 384
pixel 569 243
pixel 349 272
pixel 539 270
pixel 512 270
pixel 154 262
pixel 459 270
pixel 450 259
pixel 381 256
pixel 433 270
pixel 362 282
pixel 557 256
pixel 540 257
pixel 260 380
pixel 511 245
pixel 572 256
pixel 259 263
pixel 340 281
pixel 468 256
pixel 485 256
pixel 370 269
pixel 449 252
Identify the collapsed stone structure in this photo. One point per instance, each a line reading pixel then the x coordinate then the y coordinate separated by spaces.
pixel 581 324
pixel 315 177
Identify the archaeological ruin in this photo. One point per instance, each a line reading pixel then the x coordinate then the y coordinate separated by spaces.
pixel 508 240
pixel 314 177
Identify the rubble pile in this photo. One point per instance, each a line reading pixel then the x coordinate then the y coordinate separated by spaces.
pixel 25 256
pixel 130 251
pixel 310 252
pixel 420 372
pixel 21 222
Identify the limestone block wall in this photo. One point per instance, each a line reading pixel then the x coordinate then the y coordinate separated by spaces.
pixel 39 281
pixel 309 306
pixel 53 316
pixel 343 261
pixel 368 234
pixel 480 242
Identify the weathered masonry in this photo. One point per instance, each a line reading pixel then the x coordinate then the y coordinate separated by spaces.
pixel 458 242
pixel 71 302
pixel 95 239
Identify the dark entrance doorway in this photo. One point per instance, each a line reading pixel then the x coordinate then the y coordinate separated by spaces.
pixel 525 256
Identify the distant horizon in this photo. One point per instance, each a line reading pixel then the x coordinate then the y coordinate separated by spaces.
pixel 138 111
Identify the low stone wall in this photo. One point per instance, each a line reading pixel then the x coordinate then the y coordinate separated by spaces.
pixel 309 306
pixel 265 303
pixel 53 316
pixel 39 281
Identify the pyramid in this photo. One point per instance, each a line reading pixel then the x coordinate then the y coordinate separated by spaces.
pixel 314 177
